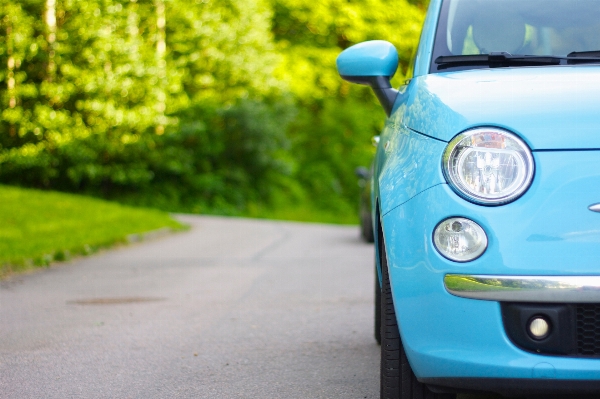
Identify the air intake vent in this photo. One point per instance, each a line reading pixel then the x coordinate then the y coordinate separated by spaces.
pixel 588 330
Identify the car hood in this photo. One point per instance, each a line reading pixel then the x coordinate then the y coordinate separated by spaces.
pixel 549 107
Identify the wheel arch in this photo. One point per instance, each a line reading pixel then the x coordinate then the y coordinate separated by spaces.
pixel 379 240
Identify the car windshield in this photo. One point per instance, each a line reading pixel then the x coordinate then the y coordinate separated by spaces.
pixel 518 27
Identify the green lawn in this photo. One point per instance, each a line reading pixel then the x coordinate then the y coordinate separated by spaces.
pixel 304 214
pixel 37 227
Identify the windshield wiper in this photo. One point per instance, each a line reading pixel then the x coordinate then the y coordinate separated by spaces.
pixel 496 60
pixel 582 57
pixel 503 59
pixel 576 54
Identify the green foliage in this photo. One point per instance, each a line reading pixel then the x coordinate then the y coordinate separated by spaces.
pixel 332 135
pixel 39 227
pixel 220 159
pixel 311 35
pixel 203 106
pixel 223 50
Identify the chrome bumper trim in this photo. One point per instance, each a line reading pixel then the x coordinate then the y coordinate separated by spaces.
pixel 546 289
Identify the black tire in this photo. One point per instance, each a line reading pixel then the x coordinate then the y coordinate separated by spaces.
pixel 397 378
pixel 377 308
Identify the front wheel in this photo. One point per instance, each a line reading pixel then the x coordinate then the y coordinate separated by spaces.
pixel 397 378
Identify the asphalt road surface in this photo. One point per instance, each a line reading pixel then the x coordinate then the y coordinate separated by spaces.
pixel 233 308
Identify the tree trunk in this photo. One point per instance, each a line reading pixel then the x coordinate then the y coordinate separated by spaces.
pixel 51 38
pixel 161 49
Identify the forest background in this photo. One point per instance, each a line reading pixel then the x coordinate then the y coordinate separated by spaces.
pixel 208 106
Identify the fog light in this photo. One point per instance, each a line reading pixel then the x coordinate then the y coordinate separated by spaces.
pixel 539 328
pixel 459 239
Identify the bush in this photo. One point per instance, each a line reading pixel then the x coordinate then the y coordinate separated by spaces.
pixel 216 158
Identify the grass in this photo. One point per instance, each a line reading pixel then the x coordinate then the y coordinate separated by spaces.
pixel 304 212
pixel 304 215
pixel 336 211
pixel 38 227
pixel 299 211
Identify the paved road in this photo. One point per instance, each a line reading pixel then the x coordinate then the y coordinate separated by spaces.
pixel 233 308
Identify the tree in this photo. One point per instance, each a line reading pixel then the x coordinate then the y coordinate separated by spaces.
pixel 333 135
pixel 174 102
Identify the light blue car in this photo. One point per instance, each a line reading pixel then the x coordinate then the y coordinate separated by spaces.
pixel 486 200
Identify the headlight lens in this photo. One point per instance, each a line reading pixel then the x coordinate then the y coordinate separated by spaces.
pixel 488 166
pixel 460 239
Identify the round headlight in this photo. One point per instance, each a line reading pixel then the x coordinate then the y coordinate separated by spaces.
pixel 460 239
pixel 488 166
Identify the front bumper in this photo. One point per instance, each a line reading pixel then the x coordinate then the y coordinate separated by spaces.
pixel 533 289
pixel 516 387
pixel 450 338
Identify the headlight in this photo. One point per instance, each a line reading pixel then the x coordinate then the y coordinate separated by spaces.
pixel 488 166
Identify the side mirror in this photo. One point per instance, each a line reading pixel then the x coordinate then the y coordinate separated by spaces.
pixel 373 64
pixel 362 173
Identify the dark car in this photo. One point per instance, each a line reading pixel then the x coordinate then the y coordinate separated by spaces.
pixel 364 207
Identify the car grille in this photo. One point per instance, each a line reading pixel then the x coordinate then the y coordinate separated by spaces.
pixel 588 330
pixel 575 328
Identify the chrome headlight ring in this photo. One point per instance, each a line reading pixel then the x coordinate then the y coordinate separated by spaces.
pixel 488 166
